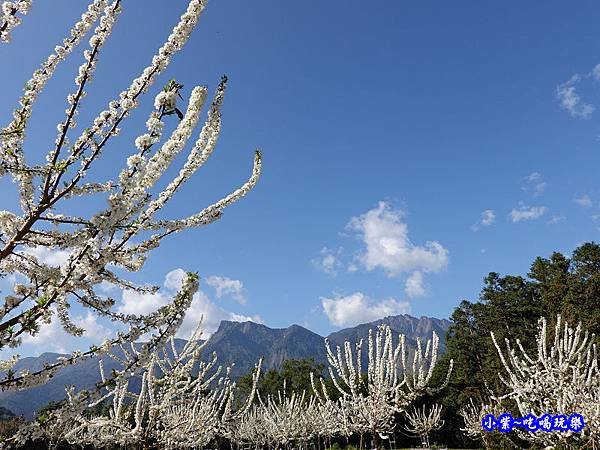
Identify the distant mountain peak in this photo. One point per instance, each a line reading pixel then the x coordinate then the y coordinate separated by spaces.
pixel 242 343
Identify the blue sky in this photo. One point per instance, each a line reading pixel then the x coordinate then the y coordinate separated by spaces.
pixel 409 147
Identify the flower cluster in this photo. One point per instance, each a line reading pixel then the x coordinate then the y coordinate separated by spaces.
pixel 169 317
pixel 564 380
pixel 12 136
pixel 9 18
pixel 166 99
pixel 183 401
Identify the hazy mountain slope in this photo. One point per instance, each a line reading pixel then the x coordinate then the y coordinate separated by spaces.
pixel 243 343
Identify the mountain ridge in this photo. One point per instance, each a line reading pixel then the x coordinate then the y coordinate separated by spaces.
pixel 240 344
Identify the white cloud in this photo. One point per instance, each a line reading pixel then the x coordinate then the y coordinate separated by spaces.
pixel 584 201
pixel 50 338
pixel 139 303
pixel 534 183
pixel 174 279
pixel 488 217
pixel 570 100
pixel 47 256
pixel 8 281
pixel 53 338
pixel 358 308
pixel 596 72
pixel 556 219
pixel 328 261
pixel 93 329
pixel 202 308
pixel 387 245
pixel 539 188
pixel 414 286
pixel 526 213
pixel 227 286
pixel 106 288
pixel 533 177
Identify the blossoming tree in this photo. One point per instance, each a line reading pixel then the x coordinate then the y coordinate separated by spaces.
pixel 562 381
pixel 119 236
pixel 183 402
pixel 369 404
pixel 422 422
pixel 473 416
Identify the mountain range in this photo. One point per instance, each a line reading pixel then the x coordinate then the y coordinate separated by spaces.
pixel 242 343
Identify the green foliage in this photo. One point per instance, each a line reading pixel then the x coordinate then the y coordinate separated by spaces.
pixel 43 300
pixel 173 86
pixel 60 166
pixel 193 276
pixel 44 412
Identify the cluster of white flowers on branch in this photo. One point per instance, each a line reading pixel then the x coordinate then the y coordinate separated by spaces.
pixel 122 234
pixel 282 420
pixel 9 18
pixel 166 320
pixel 289 419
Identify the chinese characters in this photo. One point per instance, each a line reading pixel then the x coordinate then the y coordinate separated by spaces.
pixel 546 422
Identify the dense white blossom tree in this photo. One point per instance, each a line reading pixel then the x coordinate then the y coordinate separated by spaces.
pixel 369 403
pixel 118 237
pixel 286 418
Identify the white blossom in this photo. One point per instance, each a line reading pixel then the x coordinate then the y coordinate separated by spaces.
pixel 9 18
pixel 369 404
pixel 422 422
pixel 118 236
pixel 562 380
